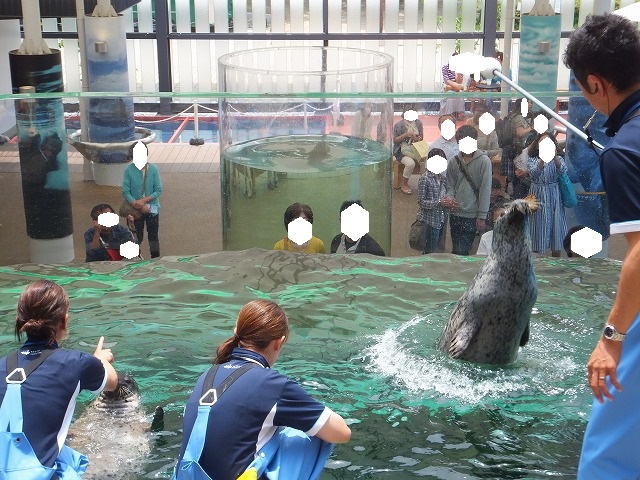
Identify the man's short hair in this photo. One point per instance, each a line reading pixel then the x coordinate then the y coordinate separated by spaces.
pixel 100 208
pixel 466 131
pixel 607 46
pixel 566 243
pixel 444 118
pixel 293 211
pixel 347 203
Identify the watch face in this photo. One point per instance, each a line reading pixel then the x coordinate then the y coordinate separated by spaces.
pixel 608 331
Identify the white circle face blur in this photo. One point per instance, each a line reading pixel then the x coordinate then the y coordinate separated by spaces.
pixel 487 123
pixel 436 164
pixel 586 242
pixel 467 63
pixel 448 129
pixel 108 219
pixel 541 124
pixel 299 231
pixel 547 150
pixel 468 145
pixel 354 222
pixel 129 250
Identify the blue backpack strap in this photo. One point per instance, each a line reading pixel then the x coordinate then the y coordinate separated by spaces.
pixel 11 409
pixel 210 396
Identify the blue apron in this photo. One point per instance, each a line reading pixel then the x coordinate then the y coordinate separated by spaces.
pixel 289 454
pixel 18 461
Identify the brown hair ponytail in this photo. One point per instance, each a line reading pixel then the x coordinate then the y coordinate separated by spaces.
pixel 259 322
pixel 42 308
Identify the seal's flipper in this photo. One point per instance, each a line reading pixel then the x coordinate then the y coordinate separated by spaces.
pixel 525 336
pixel 157 424
pixel 462 339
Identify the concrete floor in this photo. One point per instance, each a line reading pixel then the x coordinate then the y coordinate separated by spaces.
pixel 190 221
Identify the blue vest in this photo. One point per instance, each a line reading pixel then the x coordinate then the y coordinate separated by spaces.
pixel 18 460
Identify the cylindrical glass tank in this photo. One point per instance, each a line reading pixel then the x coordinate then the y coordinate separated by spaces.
pixel 285 137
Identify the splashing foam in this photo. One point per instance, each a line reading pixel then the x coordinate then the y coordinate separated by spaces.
pixel 450 380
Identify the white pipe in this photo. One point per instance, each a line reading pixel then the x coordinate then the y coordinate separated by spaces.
pixel 87 167
pixel 600 7
pixel 506 54
pixel 570 126
pixel 33 44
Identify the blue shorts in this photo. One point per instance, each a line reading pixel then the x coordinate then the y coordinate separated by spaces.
pixel 610 446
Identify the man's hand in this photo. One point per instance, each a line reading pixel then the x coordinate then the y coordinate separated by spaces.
pixel 137 204
pixel 145 209
pixel 97 228
pixel 604 362
pixel 481 224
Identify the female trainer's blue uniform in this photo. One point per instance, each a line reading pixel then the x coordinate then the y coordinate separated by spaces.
pixel 249 413
pixel 49 394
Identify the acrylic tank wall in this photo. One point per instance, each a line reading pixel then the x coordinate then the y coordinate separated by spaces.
pixel 280 140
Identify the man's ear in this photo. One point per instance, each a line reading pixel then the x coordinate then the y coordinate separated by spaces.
pixel 594 84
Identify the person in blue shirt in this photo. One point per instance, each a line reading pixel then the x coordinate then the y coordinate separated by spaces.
pixel 603 54
pixel 48 394
pixel 142 187
pixel 254 408
pixel 103 243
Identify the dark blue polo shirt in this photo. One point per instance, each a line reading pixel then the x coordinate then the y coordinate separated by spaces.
pixel 620 166
pixel 49 394
pixel 119 235
pixel 247 415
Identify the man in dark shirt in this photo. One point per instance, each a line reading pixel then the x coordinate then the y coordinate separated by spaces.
pixel 366 244
pixel 98 240
pixel 603 54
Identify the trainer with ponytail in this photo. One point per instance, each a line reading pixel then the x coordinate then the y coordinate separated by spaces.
pixel 244 418
pixel 39 386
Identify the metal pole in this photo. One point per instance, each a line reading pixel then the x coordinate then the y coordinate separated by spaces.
pixel 570 126
pixel 196 140
pixel 87 167
pixel 506 56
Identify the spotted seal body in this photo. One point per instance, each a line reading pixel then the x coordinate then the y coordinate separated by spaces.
pixel 491 320
pixel 115 433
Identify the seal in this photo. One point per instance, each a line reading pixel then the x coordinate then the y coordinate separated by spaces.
pixel 115 433
pixel 491 320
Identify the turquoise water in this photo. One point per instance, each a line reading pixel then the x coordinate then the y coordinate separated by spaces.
pixel 363 341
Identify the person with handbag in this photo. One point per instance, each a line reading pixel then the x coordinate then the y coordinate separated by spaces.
pixel 405 133
pixel 141 187
pixel 244 415
pixel 469 183
pixel 103 243
pixel 549 222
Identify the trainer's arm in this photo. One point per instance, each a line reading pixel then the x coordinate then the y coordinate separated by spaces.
pixel 606 355
pixel 335 430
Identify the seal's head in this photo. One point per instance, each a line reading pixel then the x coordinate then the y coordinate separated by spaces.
pixel 515 215
pixel 126 391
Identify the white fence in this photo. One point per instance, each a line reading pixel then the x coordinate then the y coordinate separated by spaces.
pixel 193 60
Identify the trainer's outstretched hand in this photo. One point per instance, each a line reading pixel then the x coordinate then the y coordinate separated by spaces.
pixel 103 353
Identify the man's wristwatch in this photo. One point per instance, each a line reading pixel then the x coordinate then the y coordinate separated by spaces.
pixel 610 333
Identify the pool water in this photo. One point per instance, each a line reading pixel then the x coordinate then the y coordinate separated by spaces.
pixel 363 339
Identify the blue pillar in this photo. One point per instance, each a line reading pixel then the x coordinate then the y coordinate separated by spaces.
pixel 109 120
pixel 42 148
